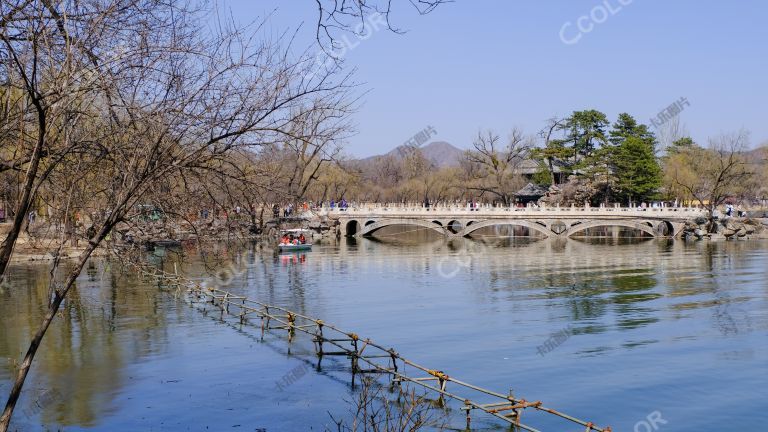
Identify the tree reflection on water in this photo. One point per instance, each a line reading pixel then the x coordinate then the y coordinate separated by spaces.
pixel 107 322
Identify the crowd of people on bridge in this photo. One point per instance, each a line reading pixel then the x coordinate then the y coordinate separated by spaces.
pixel 288 210
pixel 343 204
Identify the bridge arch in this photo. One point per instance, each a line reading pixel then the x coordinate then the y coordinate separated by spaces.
pixel 677 228
pixel 370 229
pixel 665 229
pixel 351 228
pixel 609 223
pixel 454 227
pixel 492 222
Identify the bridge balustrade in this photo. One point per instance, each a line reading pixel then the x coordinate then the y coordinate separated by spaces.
pixel 657 211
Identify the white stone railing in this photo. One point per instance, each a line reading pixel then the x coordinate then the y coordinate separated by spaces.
pixel 396 211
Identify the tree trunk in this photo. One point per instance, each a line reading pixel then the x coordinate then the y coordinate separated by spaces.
pixel 6 248
pixel 551 171
pixel 34 345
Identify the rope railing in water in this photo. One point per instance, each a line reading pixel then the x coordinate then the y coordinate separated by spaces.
pixel 367 356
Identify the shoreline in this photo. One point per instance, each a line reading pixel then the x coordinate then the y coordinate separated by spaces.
pixel 26 254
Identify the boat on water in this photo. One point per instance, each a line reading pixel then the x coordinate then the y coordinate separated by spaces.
pixel 292 241
pixel 295 247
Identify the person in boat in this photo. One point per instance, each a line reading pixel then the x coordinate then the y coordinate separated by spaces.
pixel 302 239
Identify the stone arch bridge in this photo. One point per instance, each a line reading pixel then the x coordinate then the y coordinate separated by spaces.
pixel 457 221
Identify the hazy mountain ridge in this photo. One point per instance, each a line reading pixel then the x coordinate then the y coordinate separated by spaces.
pixel 441 153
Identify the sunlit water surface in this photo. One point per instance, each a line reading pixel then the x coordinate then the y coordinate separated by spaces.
pixel 655 326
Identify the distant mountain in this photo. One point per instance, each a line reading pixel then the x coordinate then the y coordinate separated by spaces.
pixel 759 153
pixel 440 153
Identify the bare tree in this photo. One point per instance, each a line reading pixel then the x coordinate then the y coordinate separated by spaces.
pixel 52 58
pixel 22 65
pixel 336 180
pixel 710 176
pixel 493 167
pixel 166 97
pixel 308 151
pixel 671 131
pixel 757 187
pixel 375 411
pixel 338 17
pixel 551 152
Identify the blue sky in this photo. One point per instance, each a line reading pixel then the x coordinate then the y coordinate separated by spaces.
pixel 502 64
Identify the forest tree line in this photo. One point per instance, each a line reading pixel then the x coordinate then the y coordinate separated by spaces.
pixel 584 156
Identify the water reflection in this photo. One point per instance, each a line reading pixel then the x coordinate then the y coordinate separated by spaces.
pixel 83 355
pixel 467 303
pixel 593 277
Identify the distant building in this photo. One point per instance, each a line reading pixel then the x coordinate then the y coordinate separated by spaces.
pixel 528 167
pixel 530 193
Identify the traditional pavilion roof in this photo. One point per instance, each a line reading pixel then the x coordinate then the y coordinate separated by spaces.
pixel 531 166
pixel 531 190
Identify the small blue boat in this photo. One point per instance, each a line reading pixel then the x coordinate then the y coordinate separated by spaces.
pixel 294 234
pixel 295 247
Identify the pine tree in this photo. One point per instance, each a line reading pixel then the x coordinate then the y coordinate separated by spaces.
pixel 636 169
pixel 626 126
pixel 681 145
pixel 586 131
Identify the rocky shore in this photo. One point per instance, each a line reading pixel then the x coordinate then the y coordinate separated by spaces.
pixel 726 228
pixel 41 241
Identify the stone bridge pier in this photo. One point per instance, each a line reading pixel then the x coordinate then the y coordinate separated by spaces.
pixel 366 220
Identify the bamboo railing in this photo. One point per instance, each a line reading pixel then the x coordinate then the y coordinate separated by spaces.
pixel 365 355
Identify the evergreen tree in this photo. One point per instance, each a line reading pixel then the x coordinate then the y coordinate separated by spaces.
pixel 543 176
pixel 626 126
pixel 636 169
pixel 681 145
pixel 586 131
pixel 585 136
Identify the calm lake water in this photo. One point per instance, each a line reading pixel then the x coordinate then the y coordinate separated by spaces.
pixel 652 326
